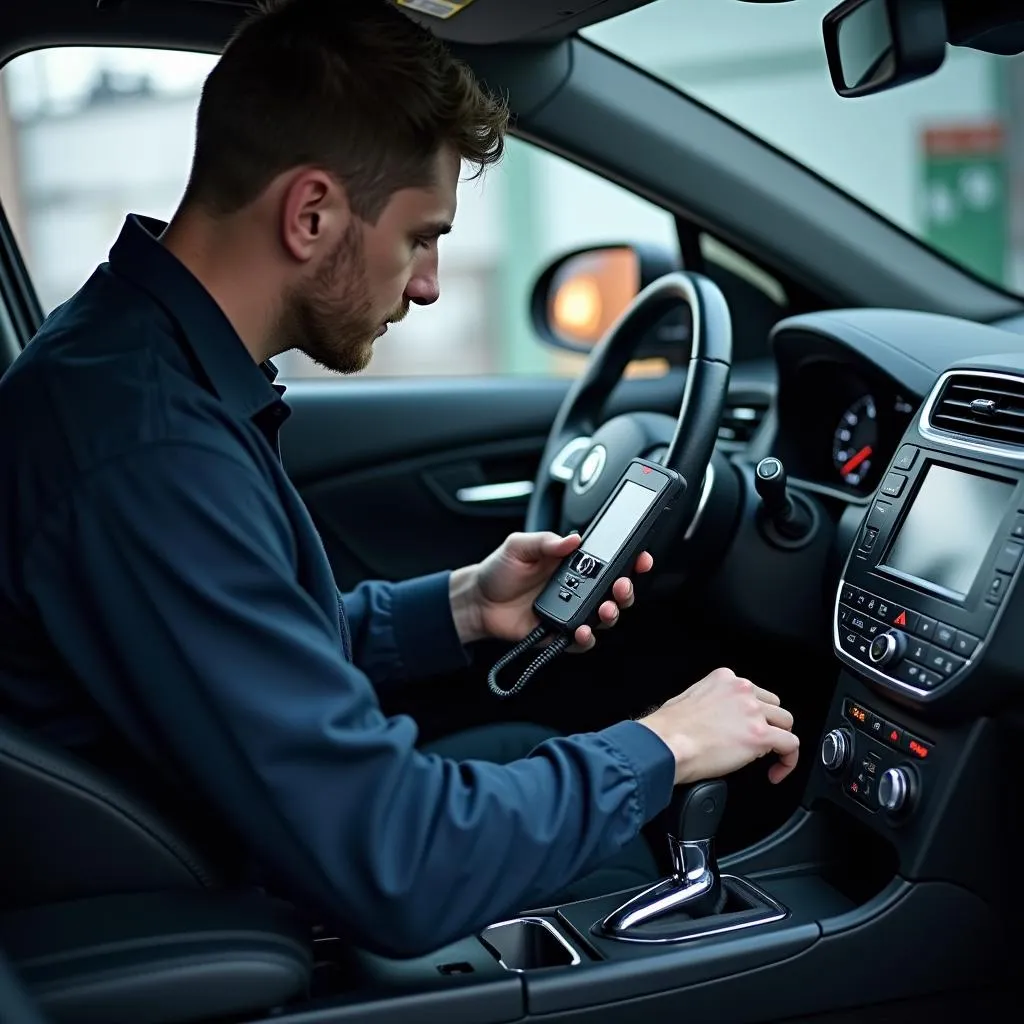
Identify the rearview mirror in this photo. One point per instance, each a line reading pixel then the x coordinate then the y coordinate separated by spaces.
pixel 874 45
pixel 581 294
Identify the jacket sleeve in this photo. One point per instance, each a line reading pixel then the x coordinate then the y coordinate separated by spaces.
pixel 170 589
pixel 403 631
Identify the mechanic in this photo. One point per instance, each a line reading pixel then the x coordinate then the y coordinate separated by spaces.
pixel 168 610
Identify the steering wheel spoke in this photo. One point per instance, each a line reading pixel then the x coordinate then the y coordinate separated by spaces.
pixel 565 463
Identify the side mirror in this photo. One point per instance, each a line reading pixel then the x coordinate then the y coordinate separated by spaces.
pixel 874 45
pixel 582 293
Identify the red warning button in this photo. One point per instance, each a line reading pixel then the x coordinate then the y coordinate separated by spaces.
pixel 900 620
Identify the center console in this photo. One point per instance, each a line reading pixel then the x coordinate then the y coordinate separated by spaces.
pixel 896 878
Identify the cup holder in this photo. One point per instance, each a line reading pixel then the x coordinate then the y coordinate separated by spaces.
pixel 528 944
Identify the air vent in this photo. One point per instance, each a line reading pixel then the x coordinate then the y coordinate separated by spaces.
pixel 983 407
pixel 740 422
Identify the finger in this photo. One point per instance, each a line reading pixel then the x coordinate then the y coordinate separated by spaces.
pixel 778 771
pixel 559 547
pixel 787 746
pixel 584 637
pixel 622 591
pixel 608 613
pixel 779 717
pixel 645 562
pixel 766 696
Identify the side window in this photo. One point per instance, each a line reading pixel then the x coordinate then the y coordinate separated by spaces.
pixel 90 134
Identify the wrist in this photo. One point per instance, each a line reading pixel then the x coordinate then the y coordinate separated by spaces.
pixel 678 742
pixel 464 597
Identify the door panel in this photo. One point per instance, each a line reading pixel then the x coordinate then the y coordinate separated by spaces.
pixel 400 475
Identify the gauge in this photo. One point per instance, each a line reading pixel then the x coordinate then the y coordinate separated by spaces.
pixel 855 441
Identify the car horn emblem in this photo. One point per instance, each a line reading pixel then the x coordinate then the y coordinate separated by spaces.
pixel 590 469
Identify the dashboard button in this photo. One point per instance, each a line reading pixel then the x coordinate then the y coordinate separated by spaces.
pixel 893 484
pixel 880 515
pixel 906 457
pixel 844 615
pixel 860 599
pixel 891 734
pixel 919 651
pixel 915 747
pixel 944 635
pixel 873 628
pixel 945 664
pixel 996 588
pixel 917 675
pixel 871 604
pixel 965 645
pixel 1009 557
pixel 1018 528
pixel 847 594
pixel 925 627
pixel 858 622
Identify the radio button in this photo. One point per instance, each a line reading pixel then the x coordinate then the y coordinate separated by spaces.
pixel 906 457
pixel 1009 557
pixel 893 484
pixel 944 635
pixel 965 645
pixel 996 588
pixel 880 515
pixel 924 627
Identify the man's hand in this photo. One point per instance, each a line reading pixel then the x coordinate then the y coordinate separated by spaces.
pixel 495 598
pixel 723 723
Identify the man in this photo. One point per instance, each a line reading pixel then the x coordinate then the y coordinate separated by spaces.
pixel 167 608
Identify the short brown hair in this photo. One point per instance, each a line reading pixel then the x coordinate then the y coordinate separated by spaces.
pixel 352 86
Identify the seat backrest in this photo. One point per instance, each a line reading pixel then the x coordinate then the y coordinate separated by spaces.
pixel 70 832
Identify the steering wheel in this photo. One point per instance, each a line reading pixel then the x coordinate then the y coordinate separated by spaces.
pixel 584 460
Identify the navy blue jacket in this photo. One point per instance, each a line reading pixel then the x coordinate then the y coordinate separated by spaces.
pixel 163 586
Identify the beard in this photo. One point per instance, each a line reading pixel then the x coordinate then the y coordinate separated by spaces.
pixel 331 317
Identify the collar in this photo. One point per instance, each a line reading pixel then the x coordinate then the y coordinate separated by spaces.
pixel 245 387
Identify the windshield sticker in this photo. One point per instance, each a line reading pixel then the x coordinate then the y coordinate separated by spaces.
pixel 436 8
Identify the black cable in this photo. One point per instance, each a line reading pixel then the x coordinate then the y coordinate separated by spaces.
pixel 547 654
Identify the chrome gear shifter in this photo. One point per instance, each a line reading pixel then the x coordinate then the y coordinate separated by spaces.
pixel 695 886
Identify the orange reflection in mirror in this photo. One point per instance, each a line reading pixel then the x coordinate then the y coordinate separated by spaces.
pixel 590 291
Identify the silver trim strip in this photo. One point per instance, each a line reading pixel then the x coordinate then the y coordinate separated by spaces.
pixel 559 470
pixel 776 912
pixel 574 958
pixel 485 493
pixel 955 440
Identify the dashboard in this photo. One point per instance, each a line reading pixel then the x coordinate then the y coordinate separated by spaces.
pixel 840 423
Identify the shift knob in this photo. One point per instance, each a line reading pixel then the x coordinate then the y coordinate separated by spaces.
pixel 770 484
pixel 699 810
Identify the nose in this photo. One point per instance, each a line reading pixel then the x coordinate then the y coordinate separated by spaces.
pixel 423 287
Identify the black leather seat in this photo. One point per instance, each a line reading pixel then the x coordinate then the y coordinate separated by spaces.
pixel 112 913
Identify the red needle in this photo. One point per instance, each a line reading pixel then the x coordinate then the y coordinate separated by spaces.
pixel 856 460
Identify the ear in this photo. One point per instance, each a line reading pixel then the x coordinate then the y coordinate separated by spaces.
pixel 314 214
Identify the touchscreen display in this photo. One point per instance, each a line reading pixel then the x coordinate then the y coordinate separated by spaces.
pixel 612 529
pixel 949 529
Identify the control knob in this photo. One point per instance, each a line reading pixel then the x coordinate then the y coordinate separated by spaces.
pixel 835 750
pixel 894 790
pixel 887 647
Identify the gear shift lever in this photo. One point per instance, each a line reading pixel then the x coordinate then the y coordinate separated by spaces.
pixel 695 887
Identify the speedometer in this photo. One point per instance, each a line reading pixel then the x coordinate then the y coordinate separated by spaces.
pixel 855 441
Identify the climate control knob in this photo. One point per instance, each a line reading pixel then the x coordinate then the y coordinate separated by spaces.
pixel 835 750
pixel 894 790
pixel 887 647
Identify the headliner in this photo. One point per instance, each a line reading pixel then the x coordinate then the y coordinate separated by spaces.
pixel 29 23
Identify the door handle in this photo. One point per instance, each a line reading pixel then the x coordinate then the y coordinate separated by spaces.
pixel 484 494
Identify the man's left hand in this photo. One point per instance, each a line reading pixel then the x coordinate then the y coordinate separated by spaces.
pixel 495 598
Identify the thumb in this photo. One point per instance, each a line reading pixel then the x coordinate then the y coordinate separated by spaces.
pixel 529 547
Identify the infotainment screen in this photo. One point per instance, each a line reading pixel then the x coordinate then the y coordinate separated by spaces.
pixel 949 529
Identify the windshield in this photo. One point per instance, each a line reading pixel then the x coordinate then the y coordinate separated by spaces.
pixel 942 157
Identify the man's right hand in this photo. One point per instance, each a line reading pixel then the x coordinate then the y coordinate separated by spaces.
pixel 723 723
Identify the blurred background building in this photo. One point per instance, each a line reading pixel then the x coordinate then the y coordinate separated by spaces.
pixel 88 134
